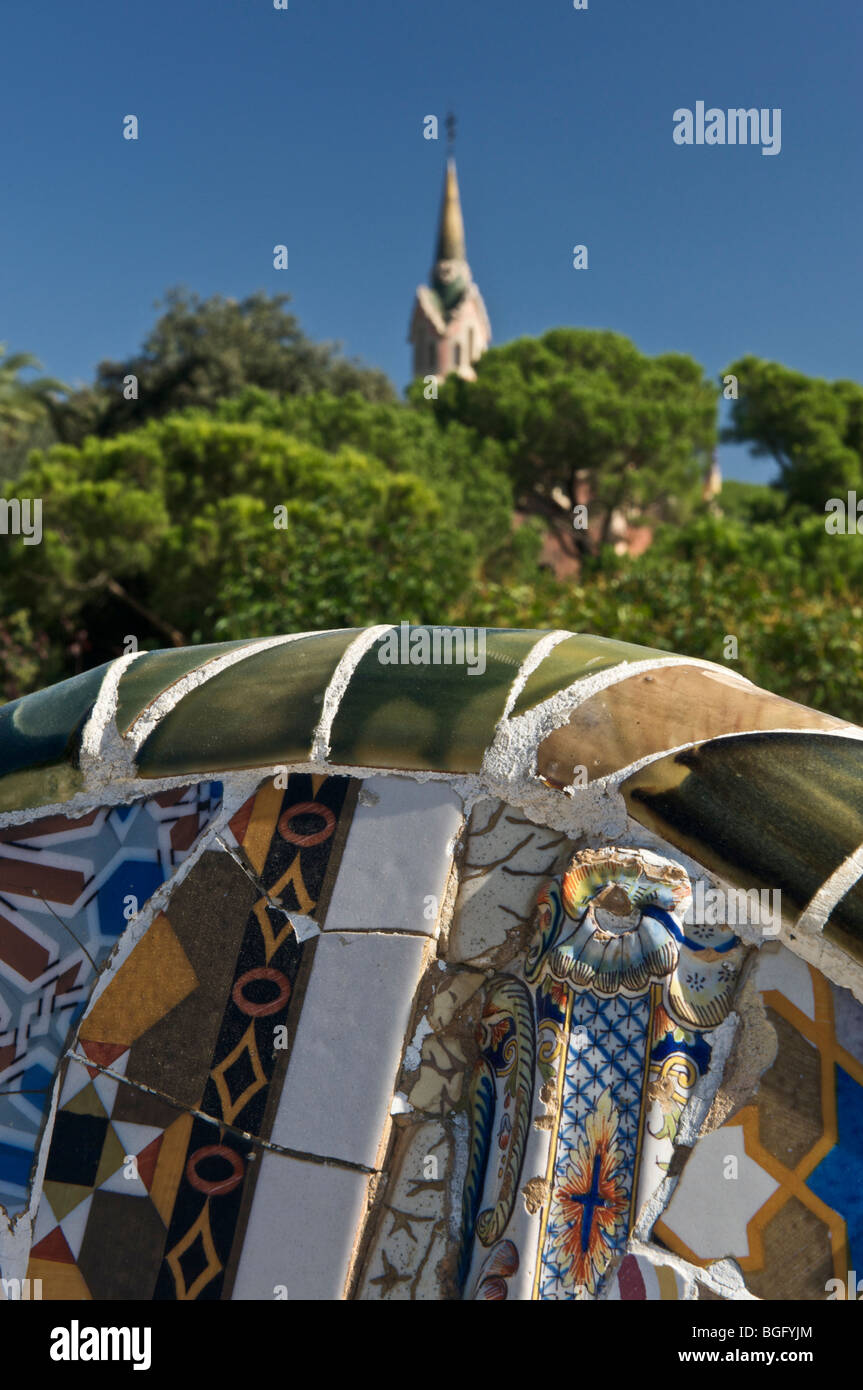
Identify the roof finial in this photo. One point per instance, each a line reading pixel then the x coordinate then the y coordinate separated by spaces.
pixel 450 134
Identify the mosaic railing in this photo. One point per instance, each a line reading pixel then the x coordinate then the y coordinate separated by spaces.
pixel 429 963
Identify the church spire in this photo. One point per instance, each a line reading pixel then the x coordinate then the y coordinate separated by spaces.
pixel 450 242
pixel 449 326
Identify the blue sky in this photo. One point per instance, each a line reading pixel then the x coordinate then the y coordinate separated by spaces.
pixel 304 127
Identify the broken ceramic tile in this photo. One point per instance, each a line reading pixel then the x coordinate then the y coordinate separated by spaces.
pixel 403 713
pixel 68 889
pixel 260 711
pixel 349 1045
pixel 385 883
pixel 662 709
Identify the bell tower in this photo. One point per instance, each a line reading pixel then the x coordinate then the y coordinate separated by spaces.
pixel 449 328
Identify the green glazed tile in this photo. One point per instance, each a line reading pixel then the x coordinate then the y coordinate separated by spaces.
pixel 434 716
pixel 154 672
pixel 844 926
pixel 574 658
pixel 260 711
pixel 770 810
pixel 39 739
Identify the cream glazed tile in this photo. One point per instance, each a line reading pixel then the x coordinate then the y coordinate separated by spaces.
pixel 411 1238
pixel 778 968
pixel 507 857
pixel 397 858
pixel 303 1226
pixel 349 1043
pixel 715 1199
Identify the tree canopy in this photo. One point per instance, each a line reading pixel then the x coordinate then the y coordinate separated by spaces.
pixel 260 483
pixel 202 350
pixel 811 428
pixel 580 412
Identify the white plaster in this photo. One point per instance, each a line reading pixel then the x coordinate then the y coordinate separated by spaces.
pixel 339 682
pixel 534 658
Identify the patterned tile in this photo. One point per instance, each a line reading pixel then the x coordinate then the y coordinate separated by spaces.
pixel 598 1132
pixel 780 1186
pixel 199 1017
pixel 67 891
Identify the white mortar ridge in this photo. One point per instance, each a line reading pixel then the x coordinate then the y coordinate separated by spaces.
pixel 104 758
pixel 534 658
pixel 511 755
pixel 338 684
pixel 164 703
pixel 832 890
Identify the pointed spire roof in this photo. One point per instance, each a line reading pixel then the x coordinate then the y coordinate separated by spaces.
pixel 450 242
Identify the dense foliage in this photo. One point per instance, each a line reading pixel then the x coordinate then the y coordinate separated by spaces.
pixel 259 483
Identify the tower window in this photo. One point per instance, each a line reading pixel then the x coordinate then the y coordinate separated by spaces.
pixel 470 352
pixel 457 355
pixel 432 356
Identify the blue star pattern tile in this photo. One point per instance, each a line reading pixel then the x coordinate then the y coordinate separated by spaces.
pixel 68 888
pixel 597 1146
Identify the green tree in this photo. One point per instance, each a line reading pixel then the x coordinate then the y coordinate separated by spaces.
pixel 467 473
pixel 790 593
pixel 202 350
pixel 811 428
pixel 25 407
pixel 583 414
pixel 168 532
